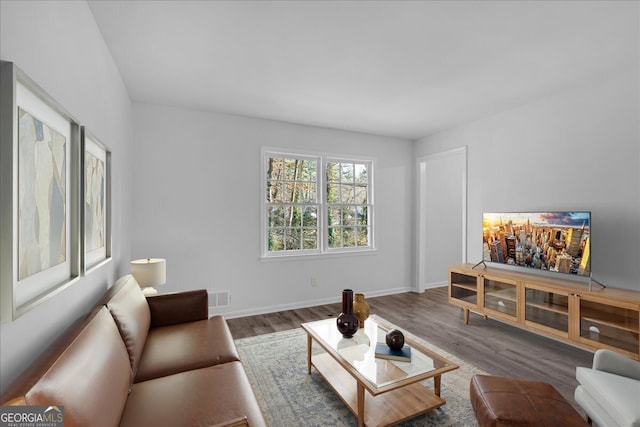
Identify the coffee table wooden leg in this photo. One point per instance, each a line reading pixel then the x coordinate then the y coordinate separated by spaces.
pixel 360 405
pixel 466 316
pixel 309 353
pixel 437 384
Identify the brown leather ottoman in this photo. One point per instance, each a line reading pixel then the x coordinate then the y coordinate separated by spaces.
pixel 500 401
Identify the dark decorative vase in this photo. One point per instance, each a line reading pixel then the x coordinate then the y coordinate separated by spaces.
pixel 347 322
pixel 395 339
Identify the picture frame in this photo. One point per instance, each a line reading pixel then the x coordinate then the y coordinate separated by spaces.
pixel 39 188
pixel 96 202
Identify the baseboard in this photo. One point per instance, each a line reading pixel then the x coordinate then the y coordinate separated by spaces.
pixel 433 285
pixel 302 304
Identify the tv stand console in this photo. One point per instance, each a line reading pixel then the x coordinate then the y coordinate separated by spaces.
pixel 575 312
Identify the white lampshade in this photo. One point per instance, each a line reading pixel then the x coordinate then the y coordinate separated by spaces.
pixel 149 272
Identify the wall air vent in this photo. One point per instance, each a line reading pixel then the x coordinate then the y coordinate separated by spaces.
pixel 219 299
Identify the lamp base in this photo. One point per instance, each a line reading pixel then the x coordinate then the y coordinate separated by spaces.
pixel 149 291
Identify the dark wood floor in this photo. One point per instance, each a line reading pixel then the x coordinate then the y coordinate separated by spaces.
pixel 492 346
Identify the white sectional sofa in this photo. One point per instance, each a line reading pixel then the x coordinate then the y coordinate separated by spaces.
pixel 609 392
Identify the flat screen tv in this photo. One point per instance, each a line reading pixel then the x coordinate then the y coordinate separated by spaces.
pixel 552 241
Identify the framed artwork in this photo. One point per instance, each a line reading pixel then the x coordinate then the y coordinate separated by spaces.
pixel 96 202
pixel 39 188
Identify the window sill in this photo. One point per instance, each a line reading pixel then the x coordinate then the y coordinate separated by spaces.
pixel 317 256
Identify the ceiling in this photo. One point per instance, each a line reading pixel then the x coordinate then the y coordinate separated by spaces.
pixel 395 68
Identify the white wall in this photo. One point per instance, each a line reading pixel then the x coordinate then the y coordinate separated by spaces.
pixel 197 203
pixel 59 46
pixel 576 150
pixel 197 183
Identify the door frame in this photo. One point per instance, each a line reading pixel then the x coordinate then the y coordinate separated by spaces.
pixel 422 186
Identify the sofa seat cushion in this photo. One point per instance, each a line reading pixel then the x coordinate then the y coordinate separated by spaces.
pixel 592 409
pixel 130 310
pixel 200 397
pixel 618 394
pixel 185 346
pixel 91 377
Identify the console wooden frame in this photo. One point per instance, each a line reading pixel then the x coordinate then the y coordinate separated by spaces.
pixel 591 317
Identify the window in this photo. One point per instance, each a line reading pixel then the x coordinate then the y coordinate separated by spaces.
pixel 346 201
pixel 292 204
pixel 315 205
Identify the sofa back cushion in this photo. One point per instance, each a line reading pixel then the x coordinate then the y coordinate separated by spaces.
pixel 130 310
pixel 91 378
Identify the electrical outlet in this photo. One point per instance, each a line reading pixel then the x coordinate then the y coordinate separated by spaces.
pixel 314 281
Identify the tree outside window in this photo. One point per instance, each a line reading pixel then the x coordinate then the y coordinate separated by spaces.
pixel 347 204
pixel 297 195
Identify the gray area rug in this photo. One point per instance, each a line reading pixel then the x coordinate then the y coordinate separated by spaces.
pixel 276 365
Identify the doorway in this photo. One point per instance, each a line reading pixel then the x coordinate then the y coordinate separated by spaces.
pixel 442 215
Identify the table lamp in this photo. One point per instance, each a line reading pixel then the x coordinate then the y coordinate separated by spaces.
pixel 148 273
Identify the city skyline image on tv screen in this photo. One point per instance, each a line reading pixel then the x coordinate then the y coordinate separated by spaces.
pixel 549 241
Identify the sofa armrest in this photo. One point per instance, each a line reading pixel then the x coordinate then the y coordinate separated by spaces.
pixel 614 363
pixel 235 422
pixel 179 307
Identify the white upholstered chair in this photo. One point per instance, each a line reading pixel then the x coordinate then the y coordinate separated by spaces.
pixel 609 392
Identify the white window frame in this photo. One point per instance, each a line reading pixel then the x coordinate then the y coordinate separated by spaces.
pixel 322 160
